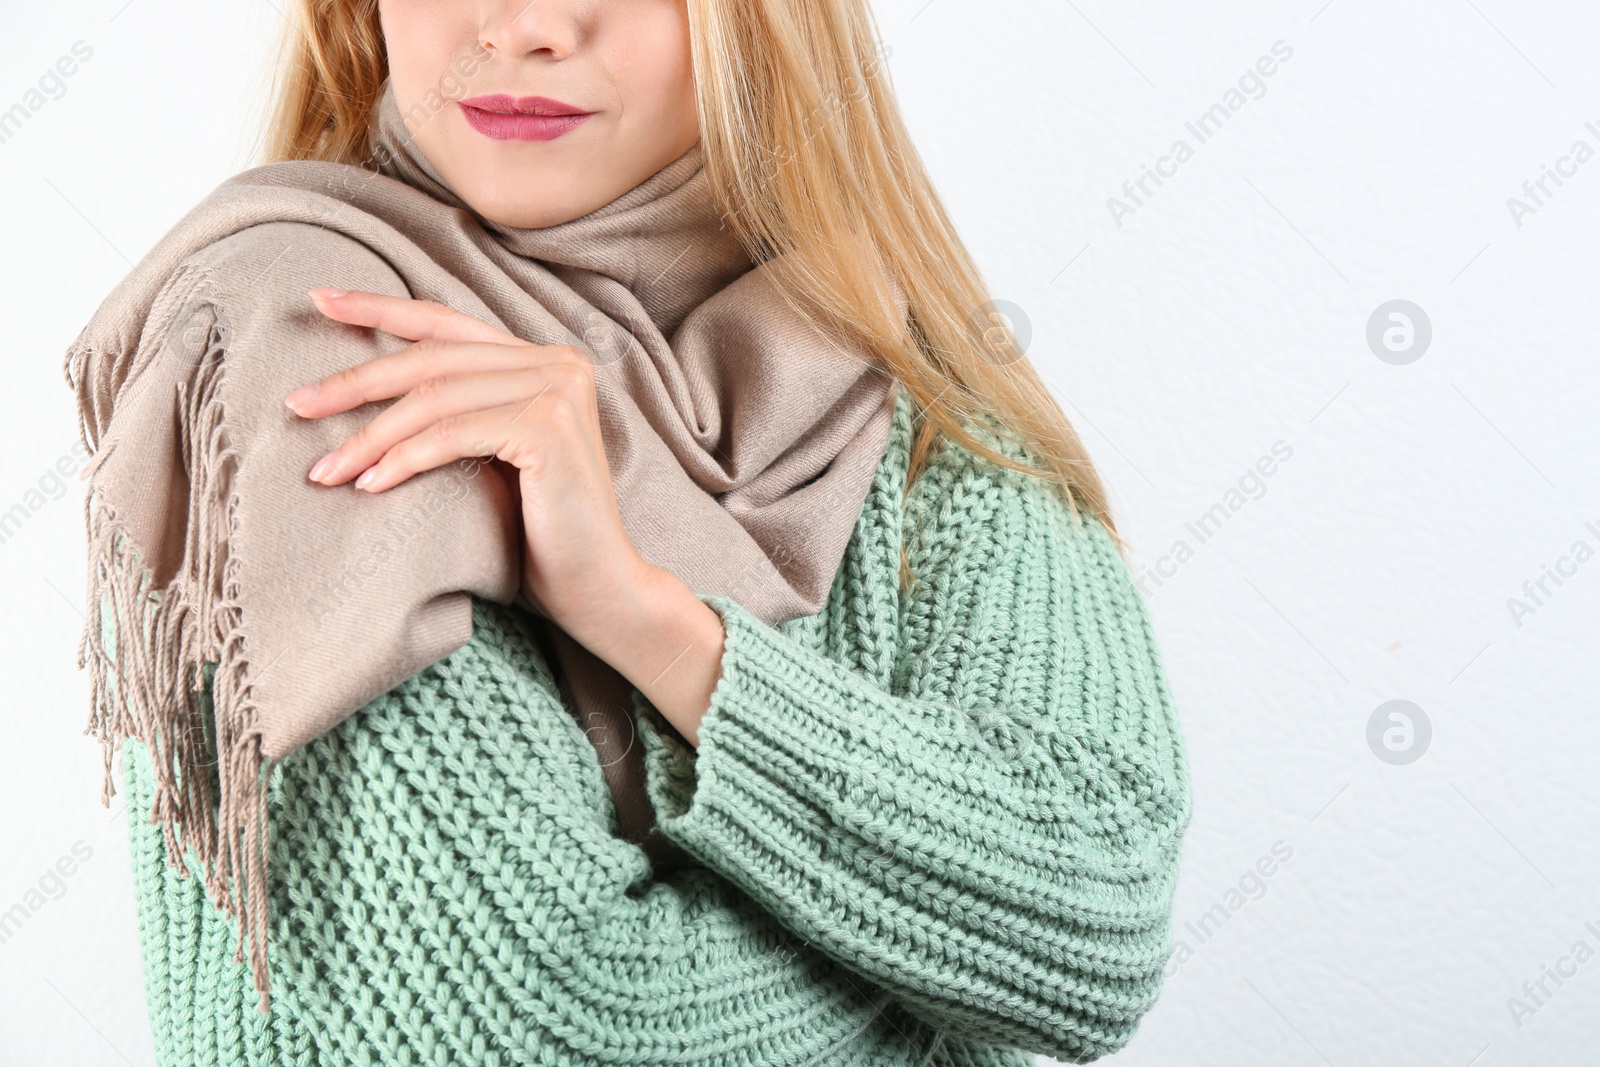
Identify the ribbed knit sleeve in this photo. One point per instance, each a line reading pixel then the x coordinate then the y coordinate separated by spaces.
pixel 992 831
pixel 447 889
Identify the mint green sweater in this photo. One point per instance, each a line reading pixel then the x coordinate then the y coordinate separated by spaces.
pixel 931 828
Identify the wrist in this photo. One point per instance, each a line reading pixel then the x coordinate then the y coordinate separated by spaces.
pixel 666 642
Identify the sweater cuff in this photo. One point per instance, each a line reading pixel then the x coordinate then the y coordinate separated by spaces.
pixel 754 792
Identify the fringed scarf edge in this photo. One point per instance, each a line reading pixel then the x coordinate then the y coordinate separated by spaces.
pixel 150 688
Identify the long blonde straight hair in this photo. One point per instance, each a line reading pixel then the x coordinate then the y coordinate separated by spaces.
pixel 809 159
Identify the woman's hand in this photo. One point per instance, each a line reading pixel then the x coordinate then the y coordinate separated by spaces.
pixel 468 389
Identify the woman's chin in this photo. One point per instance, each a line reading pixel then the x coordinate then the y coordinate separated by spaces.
pixel 533 203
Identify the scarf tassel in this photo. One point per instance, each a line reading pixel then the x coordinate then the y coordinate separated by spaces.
pixel 151 688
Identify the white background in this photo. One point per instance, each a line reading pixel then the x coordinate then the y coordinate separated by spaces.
pixel 1227 314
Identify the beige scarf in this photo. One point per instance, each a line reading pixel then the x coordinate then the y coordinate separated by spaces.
pixel 741 442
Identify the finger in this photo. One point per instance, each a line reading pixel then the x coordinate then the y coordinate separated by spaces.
pixel 436 399
pixel 397 373
pixel 478 434
pixel 405 316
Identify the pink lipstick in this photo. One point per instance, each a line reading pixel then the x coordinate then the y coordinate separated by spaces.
pixel 525 118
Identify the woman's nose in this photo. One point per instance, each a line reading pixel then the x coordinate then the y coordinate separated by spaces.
pixel 520 28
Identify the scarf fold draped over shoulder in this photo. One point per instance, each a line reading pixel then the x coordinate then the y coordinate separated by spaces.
pixel 238 610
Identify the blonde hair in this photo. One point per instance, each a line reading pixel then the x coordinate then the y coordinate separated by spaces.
pixel 810 160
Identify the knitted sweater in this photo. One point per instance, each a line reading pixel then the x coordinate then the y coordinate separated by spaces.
pixel 934 827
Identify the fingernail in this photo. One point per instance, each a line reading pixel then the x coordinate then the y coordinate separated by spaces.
pixel 302 395
pixel 366 478
pixel 327 292
pixel 322 467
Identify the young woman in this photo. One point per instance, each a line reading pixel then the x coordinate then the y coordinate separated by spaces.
pixel 938 821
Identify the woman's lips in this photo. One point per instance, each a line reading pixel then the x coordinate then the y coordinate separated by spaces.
pixel 528 118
